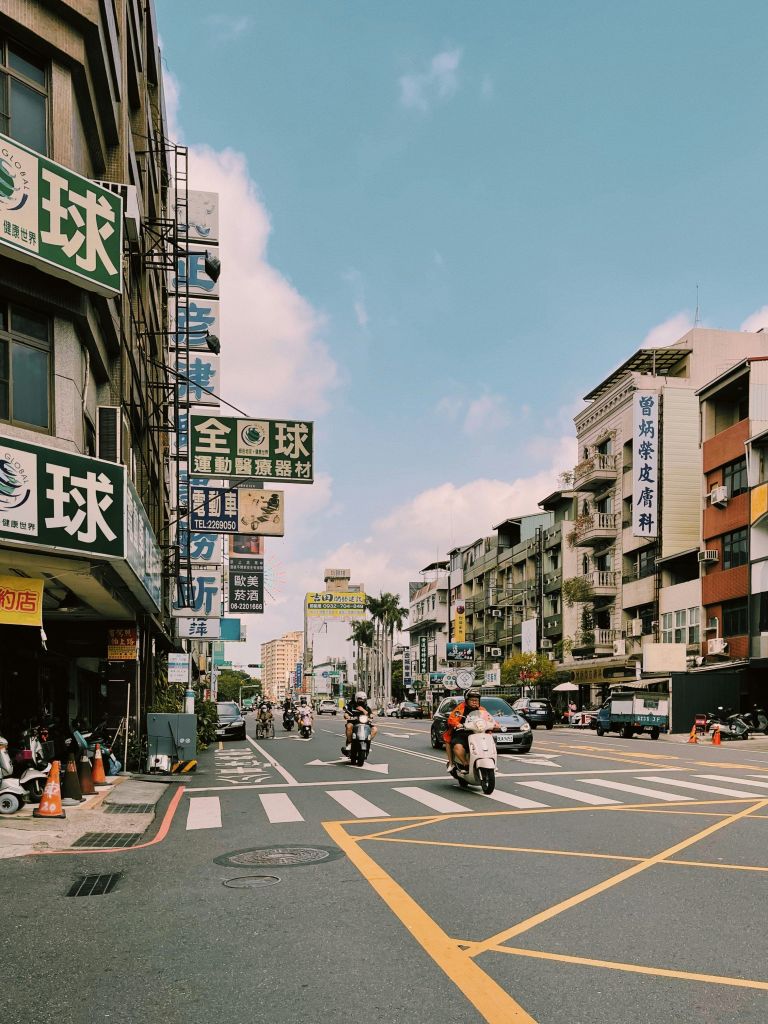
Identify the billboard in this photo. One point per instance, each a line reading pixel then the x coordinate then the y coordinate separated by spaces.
pixel 460 652
pixel 246 585
pixel 277 450
pixel 237 510
pixel 645 464
pixel 343 604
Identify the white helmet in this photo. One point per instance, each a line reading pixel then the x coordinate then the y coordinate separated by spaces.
pixel 361 695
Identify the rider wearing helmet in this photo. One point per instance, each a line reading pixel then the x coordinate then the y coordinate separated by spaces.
pixel 357 705
pixel 305 712
pixel 455 736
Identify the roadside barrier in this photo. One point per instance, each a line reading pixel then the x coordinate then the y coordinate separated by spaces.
pixel 716 740
pixel 86 776
pixel 50 802
pixel 97 772
pixel 692 738
pixel 70 786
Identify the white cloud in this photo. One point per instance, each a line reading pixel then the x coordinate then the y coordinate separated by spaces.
pixel 420 90
pixel 227 27
pixel 486 413
pixel 669 331
pixel 756 320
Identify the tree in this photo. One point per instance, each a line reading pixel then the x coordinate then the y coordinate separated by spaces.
pixel 362 638
pixel 527 669
pixel 393 618
pixel 230 681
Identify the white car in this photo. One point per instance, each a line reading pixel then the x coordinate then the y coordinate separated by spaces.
pixel 391 710
pixel 327 707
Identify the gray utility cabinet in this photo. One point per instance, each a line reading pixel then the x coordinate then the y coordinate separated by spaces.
pixel 172 735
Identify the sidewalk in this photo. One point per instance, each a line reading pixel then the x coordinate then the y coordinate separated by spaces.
pixel 21 834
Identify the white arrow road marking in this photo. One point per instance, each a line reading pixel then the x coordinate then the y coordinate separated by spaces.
pixel 317 763
pixel 402 735
pixel 382 769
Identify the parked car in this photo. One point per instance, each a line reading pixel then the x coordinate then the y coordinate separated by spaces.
pixel 536 711
pixel 515 736
pixel 231 724
pixel 407 709
pixel 327 707
pixel 390 711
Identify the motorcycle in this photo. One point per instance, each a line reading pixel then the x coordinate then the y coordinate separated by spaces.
pixel 731 726
pixel 33 762
pixel 12 793
pixel 481 770
pixel 757 720
pixel 360 745
pixel 305 729
pixel 289 718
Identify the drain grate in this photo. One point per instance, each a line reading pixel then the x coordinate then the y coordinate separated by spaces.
pixel 250 881
pixel 95 885
pixel 108 840
pixel 279 856
pixel 129 808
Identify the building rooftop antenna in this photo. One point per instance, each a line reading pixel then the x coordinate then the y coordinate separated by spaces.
pixel 696 316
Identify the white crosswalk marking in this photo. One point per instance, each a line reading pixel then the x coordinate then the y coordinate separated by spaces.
pixel 280 808
pixel 699 787
pixel 521 802
pixel 432 800
pixel 657 794
pixel 571 794
pixel 732 778
pixel 204 812
pixel 357 805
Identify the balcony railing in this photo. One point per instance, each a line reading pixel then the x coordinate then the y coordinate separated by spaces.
pixel 595 472
pixel 598 640
pixel 602 582
pixel 595 529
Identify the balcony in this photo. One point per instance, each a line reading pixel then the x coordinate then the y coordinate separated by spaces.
pixel 638 590
pixel 596 641
pixel 602 582
pixel 595 473
pixel 596 529
pixel 553 625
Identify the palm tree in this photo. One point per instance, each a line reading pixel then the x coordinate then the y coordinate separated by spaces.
pixel 392 619
pixel 362 637
pixel 375 606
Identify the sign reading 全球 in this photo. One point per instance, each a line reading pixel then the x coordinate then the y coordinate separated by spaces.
pixel 224 446
pixel 53 217
pixel 645 487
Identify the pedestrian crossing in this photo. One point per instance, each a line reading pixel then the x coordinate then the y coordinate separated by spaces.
pixel 302 804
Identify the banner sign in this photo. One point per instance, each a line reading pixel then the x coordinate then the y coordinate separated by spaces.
pixel 199 379
pixel 201 548
pixel 21 601
pixel 202 597
pixel 279 450
pixel 55 219
pixel 460 624
pixel 123 643
pixel 201 317
pixel 179 668
pixel 342 604
pixel 407 677
pixel 645 464
pixel 198 629
pixel 246 585
pixel 423 654
pixel 462 652
pixel 238 510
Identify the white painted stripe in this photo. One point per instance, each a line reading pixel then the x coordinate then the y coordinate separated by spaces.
pixel 698 786
pixel 280 808
pixel 432 800
pixel 270 760
pixel 513 801
pixel 357 805
pixel 570 794
pixel 204 812
pixel 733 778
pixel 657 794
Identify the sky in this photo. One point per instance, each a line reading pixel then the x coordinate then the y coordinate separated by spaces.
pixel 442 224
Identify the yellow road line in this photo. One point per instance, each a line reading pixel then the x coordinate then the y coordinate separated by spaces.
pixel 490 1000
pixel 594 890
pixel 662 972
pixel 709 864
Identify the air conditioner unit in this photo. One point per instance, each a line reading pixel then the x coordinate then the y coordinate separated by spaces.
pixel 635 628
pixel 710 555
pixel 718 497
pixel 546 644
pixel 497 613
pixel 112 433
pixel 130 206
pixel 619 648
pixel 495 652
pixel 717 646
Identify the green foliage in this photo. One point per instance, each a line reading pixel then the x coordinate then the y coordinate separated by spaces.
pixel 230 681
pixel 577 590
pixel 206 722
pixel 169 699
pixel 527 669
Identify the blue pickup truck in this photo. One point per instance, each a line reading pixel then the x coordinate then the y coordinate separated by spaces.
pixel 630 712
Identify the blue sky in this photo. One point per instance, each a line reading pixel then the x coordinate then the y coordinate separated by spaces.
pixel 442 223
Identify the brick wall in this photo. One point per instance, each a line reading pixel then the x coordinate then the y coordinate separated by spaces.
pixel 725 446
pixel 724 585
pixel 722 520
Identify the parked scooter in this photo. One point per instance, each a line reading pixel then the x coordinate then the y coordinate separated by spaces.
pixel 731 726
pixel 289 719
pixel 481 770
pixel 12 793
pixel 33 761
pixel 360 745
pixel 757 720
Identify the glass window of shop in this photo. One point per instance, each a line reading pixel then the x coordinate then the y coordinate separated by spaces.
pixel 25 367
pixel 23 96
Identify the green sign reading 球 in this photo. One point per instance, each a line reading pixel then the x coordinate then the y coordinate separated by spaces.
pixel 52 217
pixel 223 446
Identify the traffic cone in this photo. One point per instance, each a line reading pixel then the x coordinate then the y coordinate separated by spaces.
pixel 50 802
pixel 692 737
pixel 85 775
pixel 716 741
pixel 99 777
pixel 70 787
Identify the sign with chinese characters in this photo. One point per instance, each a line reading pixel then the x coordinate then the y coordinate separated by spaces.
pixel 191 272
pixel 460 624
pixel 645 464
pixel 237 510
pixel 179 668
pixel 200 596
pixel 258 449
pixel 198 629
pixel 463 652
pixel 423 654
pixel 201 548
pixel 56 499
pixel 122 643
pixel 21 601
pixel 342 604
pixel 200 316
pixel 198 380
pixel 142 552
pixel 407 677
pixel 202 217
pixel 246 585
pixel 55 219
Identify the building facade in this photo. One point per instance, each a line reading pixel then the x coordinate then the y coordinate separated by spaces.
pixel 279 659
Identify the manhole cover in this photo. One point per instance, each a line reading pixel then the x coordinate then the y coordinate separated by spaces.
pixel 251 881
pixel 279 856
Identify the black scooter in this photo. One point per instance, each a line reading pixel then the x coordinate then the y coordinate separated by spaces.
pixel 289 719
pixel 757 720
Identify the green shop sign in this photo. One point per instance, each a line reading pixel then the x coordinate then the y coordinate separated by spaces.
pixel 223 446
pixel 59 221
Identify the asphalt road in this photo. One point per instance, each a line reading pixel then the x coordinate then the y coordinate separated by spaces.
pixel 609 881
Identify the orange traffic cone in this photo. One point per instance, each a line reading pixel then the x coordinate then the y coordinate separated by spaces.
pixel 99 777
pixel 50 802
pixel 716 736
pixel 85 776
pixel 70 787
pixel 692 737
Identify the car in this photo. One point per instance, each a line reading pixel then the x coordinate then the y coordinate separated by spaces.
pixel 515 736
pixel 390 711
pixel 407 709
pixel 327 707
pixel 536 711
pixel 231 724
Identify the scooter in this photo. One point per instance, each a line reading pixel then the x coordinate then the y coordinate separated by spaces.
pixel 731 726
pixel 481 770
pixel 757 720
pixel 360 745
pixel 33 762
pixel 289 718
pixel 12 793
pixel 305 729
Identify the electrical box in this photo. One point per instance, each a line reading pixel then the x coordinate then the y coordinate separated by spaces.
pixel 172 736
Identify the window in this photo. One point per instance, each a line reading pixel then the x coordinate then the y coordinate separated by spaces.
pixel 735 477
pixel 735 618
pixel 25 367
pixel 666 628
pixel 680 622
pixel 23 97
pixel 693 624
pixel 735 548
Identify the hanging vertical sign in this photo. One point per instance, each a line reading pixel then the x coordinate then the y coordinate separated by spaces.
pixel 423 654
pixel 645 464
pixel 407 677
pixel 460 624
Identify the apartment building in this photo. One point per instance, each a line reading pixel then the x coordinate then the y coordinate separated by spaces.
pixel 279 658
pixel 428 621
